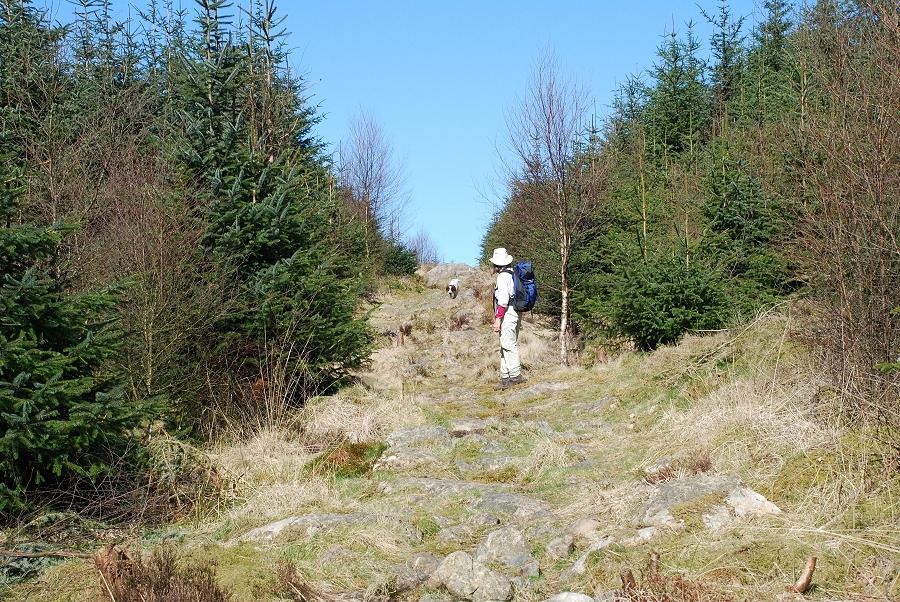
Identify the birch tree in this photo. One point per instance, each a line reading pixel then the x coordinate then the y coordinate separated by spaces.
pixel 558 164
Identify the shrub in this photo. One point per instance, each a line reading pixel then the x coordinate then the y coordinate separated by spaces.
pixel 660 300
pixel 157 578
pixel 399 259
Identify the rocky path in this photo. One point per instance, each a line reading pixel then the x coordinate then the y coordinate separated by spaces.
pixel 523 494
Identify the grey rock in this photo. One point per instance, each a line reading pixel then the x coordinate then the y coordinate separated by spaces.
pixel 657 511
pixel 581 564
pixel 641 536
pixel 717 517
pixel 486 463
pixel 570 597
pixel 467 426
pixel 584 529
pixel 441 486
pixel 736 499
pixel 417 435
pixel 519 506
pixel 507 547
pixel 458 535
pixel 483 519
pixel 304 526
pixel 746 502
pixel 561 547
pixel 609 595
pixel 417 570
pixel 467 579
pixel 402 458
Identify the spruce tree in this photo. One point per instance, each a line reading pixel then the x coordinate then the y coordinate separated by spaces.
pixel 61 414
pixel 678 107
pixel 727 50
pixel 265 201
pixel 743 226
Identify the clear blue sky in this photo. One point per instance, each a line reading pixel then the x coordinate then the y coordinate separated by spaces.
pixel 440 77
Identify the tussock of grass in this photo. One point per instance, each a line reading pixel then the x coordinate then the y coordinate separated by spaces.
pixel 347 460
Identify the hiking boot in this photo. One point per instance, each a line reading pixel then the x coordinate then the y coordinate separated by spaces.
pixel 516 380
pixel 503 384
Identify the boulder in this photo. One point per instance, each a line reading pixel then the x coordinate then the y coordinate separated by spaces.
pixel 439 275
pixel 713 499
pixel 417 570
pixel 561 546
pixel 584 530
pixel 467 579
pixel 508 547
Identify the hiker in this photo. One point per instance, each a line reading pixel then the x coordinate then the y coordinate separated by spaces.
pixel 506 320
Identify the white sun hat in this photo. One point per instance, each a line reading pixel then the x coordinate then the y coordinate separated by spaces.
pixel 501 257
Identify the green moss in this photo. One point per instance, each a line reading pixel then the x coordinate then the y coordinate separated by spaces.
pixel 427 526
pixel 244 569
pixel 467 451
pixel 507 474
pixel 691 512
pixel 801 474
pixel 348 460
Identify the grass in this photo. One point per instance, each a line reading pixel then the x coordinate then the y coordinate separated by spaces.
pixel 348 460
pixel 711 403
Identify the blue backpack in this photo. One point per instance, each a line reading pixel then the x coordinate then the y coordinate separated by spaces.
pixel 525 287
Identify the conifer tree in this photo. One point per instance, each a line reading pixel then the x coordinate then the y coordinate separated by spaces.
pixel 677 110
pixel 727 50
pixel 61 414
pixel 270 218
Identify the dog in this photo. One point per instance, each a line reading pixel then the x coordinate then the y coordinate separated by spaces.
pixel 453 288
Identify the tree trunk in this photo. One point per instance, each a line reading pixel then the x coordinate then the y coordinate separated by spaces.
pixel 564 308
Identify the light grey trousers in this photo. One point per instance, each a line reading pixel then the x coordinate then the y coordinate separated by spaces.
pixel 510 364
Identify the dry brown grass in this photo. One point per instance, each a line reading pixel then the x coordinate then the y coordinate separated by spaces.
pixel 159 577
pixel 460 321
pixel 653 585
pixel 291 584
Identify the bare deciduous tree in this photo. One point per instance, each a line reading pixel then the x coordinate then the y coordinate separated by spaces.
pixel 425 247
pixel 552 141
pixel 373 177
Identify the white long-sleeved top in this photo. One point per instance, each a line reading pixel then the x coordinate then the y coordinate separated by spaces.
pixel 504 291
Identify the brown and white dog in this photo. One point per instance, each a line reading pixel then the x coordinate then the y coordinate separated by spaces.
pixel 453 288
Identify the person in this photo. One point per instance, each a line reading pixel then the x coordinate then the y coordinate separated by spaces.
pixel 506 320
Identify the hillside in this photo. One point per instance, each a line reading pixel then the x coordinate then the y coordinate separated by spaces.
pixel 422 482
